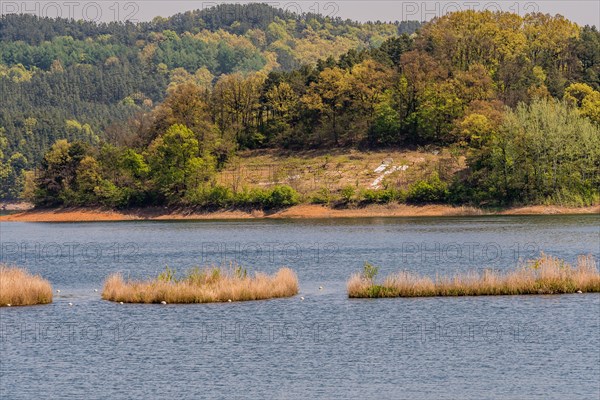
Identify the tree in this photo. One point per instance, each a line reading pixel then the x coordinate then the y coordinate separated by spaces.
pixel 176 163
pixel 549 39
pixel 5 169
pixel 481 121
pixel 587 51
pixel 368 81
pixel 57 179
pixel 12 171
pixel 282 104
pixel 236 107
pixel 186 104
pixel 419 70
pixel 396 46
pixel 387 124
pixel 544 151
pixel 328 96
pixel 88 180
pixel 465 38
pixel 439 106
pixel 585 99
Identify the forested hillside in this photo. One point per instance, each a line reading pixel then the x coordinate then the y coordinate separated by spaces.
pixel 76 80
pixel 151 112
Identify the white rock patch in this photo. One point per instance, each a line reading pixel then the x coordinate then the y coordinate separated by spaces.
pixel 376 184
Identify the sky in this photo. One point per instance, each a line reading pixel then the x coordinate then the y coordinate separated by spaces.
pixel 584 12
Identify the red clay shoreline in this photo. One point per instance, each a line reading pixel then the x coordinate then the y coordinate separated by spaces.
pixel 303 211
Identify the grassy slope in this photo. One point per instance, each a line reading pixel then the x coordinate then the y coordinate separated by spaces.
pixel 311 171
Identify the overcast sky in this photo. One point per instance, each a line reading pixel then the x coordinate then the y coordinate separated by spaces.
pixel 580 11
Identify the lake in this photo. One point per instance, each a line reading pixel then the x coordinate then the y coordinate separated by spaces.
pixel 326 346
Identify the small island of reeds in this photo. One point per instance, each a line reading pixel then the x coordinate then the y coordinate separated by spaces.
pixel 19 288
pixel 202 285
pixel 545 275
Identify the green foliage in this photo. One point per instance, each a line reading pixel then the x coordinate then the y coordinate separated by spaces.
pixel 378 291
pixel 12 170
pixel 431 190
pixel 322 196
pixel 57 180
pixel 207 276
pixel 544 152
pixel 387 125
pixel 370 196
pixel 240 273
pixel 210 196
pixel 109 195
pixel 80 80
pixel 381 196
pixel 370 271
pixel 134 163
pixel 215 274
pixel 221 197
pixel 586 99
pixel 348 193
pixel 254 198
pixel 168 275
pixel 196 276
pixel 585 196
pixel 176 163
pixel 120 115
pixel 282 196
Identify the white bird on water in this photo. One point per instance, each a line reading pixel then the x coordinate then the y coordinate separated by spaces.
pixel 70 304
pixel 301 298
pixel 121 302
pixel 57 290
pixel 579 291
pixel 163 302
pixel 320 287
pixel 95 290
pixel 8 305
pixel 229 300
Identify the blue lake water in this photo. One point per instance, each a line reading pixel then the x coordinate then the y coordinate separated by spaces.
pixel 327 346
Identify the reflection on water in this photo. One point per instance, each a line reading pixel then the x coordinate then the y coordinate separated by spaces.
pixel 326 346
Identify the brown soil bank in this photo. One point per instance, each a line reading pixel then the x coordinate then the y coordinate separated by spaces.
pixel 300 211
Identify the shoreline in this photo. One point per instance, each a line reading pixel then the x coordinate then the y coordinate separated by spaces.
pixel 303 211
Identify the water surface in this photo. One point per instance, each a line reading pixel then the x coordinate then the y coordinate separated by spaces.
pixel 327 346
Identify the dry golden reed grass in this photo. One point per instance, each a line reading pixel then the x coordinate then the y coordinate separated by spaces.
pixel 19 288
pixel 546 275
pixel 202 286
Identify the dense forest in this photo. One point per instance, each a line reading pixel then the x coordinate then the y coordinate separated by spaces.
pixel 127 115
pixel 78 80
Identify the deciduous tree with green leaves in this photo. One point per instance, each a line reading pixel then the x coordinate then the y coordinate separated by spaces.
pixel 176 163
